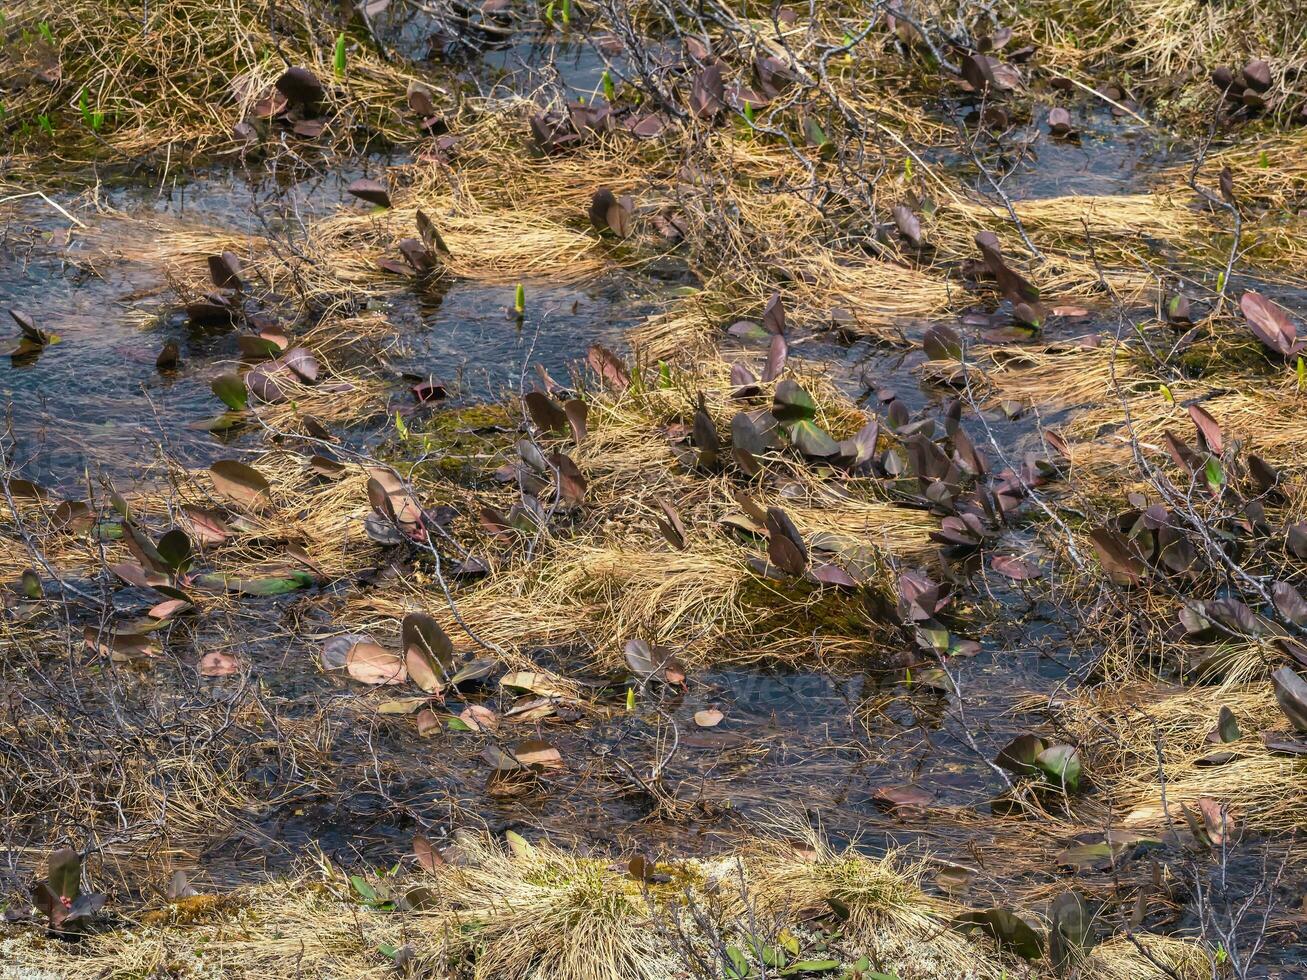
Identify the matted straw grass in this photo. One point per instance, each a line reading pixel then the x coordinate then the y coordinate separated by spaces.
pixel 176 76
pixel 538 912
pixel 1143 743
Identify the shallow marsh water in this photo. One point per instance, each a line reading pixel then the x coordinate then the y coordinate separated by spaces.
pixel 817 742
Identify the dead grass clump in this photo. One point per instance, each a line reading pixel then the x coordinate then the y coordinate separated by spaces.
pixel 177 77
pixel 550 914
pixel 1123 729
pixel 1120 229
pixel 888 910
pixel 1160 41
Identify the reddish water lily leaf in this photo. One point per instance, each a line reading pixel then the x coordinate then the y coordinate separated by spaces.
pixel 909 225
pixel 169 608
pixel 225 270
pixel 546 414
pixel 1271 324
pixel 902 798
pixel 707 91
pixel 429 856
pixel 571 482
pixel 670 524
pixel 537 754
pixel 206 526
pixel 1208 429
pixel 609 367
pixel 1014 568
pixel 1122 565
pixel 428 652
pixel 786 548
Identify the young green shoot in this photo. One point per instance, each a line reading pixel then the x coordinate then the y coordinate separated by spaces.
pixel 519 300
pixel 338 62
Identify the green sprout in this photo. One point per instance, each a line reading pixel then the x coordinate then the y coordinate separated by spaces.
pixel 93 120
pixel 339 60
pixel 610 90
pixel 46 125
pixel 45 31
pixel 519 300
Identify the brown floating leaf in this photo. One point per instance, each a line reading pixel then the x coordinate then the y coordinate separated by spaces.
pixel 1271 324
pixel 577 412
pixel 431 234
pixel 786 548
pixel 205 526
pixel 902 798
pixel 1122 565
pixel 1059 122
pixel 773 314
pixel 241 484
pixel 536 753
pixel 546 414
pixel 372 191
pixel 1208 429
pixel 300 87
pixel 1015 568
pixel 225 270
pixel 978 72
pixel 218 664
pixel 777 354
pixel 479 718
pixel 571 482
pixel 371 663
pixel 609 212
pixel 428 651
pixel 672 529
pixel 1291 696
pixel 428 855
pixel 608 366
pixel 909 225
pixel 707 91
pixel 169 357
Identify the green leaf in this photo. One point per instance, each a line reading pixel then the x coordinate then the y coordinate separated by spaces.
pixel 810 966
pixel 259 585
pixel 519 300
pixel 339 61
pixel 792 404
pixel 1061 764
pixel 231 389
pixel 1008 931
pixel 363 889
pixel 65 874
pixel 1215 474
pixel 810 440
pixel 739 967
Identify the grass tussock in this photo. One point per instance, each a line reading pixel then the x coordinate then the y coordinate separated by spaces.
pixel 541 912
pixel 1146 745
pixel 174 78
